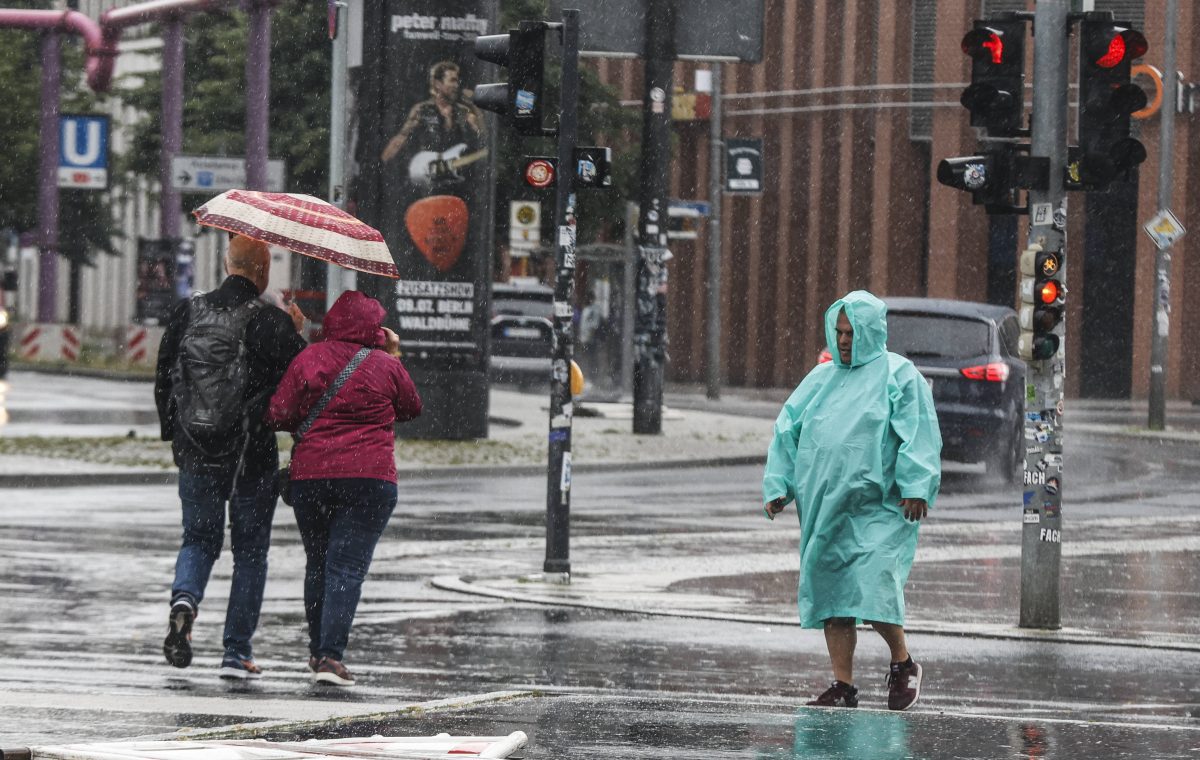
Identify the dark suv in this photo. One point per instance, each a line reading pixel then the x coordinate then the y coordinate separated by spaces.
pixel 522 332
pixel 968 353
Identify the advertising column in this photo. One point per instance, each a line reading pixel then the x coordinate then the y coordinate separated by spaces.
pixel 423 180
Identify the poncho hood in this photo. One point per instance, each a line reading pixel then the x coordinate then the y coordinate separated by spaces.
pixel 356 318
pixel 868 317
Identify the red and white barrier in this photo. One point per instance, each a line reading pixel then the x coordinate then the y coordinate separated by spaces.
pixel 41 342
pixel 140 345
pixel 137 342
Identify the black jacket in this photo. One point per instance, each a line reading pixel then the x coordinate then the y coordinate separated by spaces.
pixel 272 343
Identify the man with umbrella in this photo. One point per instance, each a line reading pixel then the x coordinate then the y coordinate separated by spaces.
pixel 211 394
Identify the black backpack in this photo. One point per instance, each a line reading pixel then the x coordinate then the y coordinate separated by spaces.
pixel 211 375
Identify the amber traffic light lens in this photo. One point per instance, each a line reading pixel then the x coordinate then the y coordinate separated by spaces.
pixel 1049 292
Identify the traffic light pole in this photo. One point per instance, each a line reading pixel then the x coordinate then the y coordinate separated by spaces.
pixel 1041 538
pixel 1160 324
pixel 650 328
pixel 558 485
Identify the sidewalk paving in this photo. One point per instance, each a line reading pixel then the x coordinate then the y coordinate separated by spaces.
pixel 99 441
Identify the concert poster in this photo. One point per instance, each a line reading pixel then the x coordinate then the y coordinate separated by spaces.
pixel 423 160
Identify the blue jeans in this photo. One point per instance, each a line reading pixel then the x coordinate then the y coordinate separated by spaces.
pixel 340 522
pixel 251 509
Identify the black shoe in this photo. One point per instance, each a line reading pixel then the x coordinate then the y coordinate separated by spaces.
pixel 839 694
pixel 177 647
pixel 904 685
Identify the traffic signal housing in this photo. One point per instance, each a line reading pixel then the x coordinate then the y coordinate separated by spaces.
pixel 1043 298
pixel 519 100
pixel 1107 98
pixel 996 95
pixel 983 176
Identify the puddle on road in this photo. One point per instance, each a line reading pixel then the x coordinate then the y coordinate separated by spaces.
pixel 602 728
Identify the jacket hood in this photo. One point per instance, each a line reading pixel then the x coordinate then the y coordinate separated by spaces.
pixel 355 318
pixel 868 317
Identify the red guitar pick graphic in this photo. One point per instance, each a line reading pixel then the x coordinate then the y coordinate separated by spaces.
pixel 438 227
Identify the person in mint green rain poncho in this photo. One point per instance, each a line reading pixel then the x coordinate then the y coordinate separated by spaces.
pixel 857 447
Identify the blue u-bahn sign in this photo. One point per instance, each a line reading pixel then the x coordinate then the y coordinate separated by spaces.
pixel 83 151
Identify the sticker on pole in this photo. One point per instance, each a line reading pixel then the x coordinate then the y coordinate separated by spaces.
pixel 1164 229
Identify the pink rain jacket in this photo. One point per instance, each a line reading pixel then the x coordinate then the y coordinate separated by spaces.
pixel 353 436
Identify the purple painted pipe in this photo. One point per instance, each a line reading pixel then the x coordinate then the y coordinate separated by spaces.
pixel 48 180
pixel 258 91
pixel 101 49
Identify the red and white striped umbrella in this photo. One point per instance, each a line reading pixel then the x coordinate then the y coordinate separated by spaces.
pixel 303 224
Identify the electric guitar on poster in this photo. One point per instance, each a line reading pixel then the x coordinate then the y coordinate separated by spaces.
pixel 428 168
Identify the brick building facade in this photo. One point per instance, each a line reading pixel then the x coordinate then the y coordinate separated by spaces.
pixel 857 101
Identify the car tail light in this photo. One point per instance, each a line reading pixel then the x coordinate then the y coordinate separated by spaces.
pixel 995 372
pixel 824 357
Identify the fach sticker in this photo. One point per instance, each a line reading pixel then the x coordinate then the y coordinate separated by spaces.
pixel 1050 536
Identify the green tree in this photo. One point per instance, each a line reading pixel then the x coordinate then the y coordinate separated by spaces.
pixel 214 86
pixel 19 128
pixel 85 220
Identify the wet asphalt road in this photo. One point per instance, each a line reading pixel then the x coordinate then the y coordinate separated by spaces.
pixel 84 574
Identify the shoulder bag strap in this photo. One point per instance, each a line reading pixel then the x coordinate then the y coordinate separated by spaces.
pixel 330 392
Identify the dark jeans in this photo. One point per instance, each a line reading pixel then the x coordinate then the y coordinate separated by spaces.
pixel 251 510
pixel 340 522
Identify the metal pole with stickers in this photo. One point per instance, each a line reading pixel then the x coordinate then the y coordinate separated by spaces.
pixel 558 484
pixel 1043 270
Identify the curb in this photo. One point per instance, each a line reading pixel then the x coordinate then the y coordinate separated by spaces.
pixel 466 585
pixel 80 371
pixel 171 476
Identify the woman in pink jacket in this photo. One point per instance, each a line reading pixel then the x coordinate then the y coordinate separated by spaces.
pixel 343 471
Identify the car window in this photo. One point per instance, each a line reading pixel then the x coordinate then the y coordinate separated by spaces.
pixel 931 336
pixel 1009 334
pixel 529 303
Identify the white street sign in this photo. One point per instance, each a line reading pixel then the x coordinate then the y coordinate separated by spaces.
pixel 525 225
pixel 216 174
pixel 1164 229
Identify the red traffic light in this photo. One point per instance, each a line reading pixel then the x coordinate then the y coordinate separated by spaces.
pixel 984 43
pixel 1123 45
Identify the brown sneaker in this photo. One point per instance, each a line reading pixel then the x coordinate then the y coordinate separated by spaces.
pixel 839 694
pixel 332 671
pixel 904 685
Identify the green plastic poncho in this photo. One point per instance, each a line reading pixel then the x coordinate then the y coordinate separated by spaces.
pixel 850 443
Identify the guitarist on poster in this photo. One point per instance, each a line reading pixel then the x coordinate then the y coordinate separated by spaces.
pixel 441 137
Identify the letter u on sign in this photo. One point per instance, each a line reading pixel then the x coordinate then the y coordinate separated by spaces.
pixel 83 153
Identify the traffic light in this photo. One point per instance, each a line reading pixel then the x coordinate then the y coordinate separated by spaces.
pixel 987 177
pixel 1106 100
pixel 522 52
pixel 996 95
pixel 1042 303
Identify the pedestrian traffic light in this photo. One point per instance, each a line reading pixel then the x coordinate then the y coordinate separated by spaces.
pixel 986 177
pixel 1042 303
pixel 996 95
pixel 522 52
pixel 1107 97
